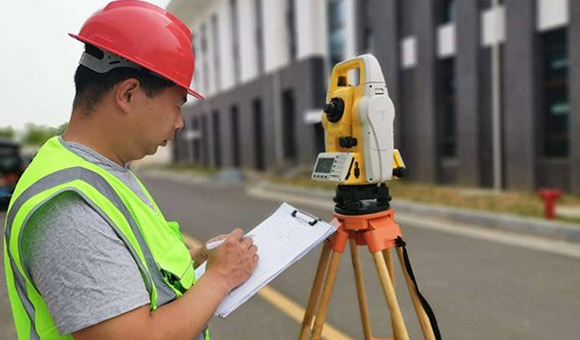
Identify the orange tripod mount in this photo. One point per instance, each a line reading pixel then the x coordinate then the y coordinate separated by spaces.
pixel 380 233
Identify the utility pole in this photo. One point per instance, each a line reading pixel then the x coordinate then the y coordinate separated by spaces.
pixel 496 98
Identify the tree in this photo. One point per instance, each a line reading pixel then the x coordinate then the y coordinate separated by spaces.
pixel 36 135
pixel 7 132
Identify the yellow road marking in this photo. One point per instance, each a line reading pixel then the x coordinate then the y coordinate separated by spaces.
pixel 296 312
pixel 284 304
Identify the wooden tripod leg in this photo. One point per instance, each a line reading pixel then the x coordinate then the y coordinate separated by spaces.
pixel 399 329
pixel 391 268
pixel 315 292
pixel 390 264
pixel 360 289
pixel 426 327
pixel 326 294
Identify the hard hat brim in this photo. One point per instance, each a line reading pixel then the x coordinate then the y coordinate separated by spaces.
pixel 138 62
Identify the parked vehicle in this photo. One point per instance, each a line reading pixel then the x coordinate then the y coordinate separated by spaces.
pixel 12 166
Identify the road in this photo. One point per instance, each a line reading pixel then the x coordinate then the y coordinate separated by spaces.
pixel 479 287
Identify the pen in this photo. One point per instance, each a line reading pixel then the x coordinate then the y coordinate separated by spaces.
pixel 214 244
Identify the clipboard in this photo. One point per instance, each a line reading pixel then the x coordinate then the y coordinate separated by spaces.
pixel 313 219
pixel 282 239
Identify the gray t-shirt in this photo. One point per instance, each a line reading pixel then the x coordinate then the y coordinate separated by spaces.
pixel 82 269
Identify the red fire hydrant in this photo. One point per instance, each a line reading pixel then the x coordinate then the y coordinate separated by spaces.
pixel 550 196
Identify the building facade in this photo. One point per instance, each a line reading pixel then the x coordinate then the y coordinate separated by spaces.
pixel 484 89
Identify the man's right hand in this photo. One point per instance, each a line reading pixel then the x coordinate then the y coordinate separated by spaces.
pixel 234 261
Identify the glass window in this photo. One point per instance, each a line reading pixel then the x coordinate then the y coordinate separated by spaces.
pixel 203 39
pixel 235 39
pixel 259 160
pixel 368 43
pixel 555 97
pixel 259 35
pixel 447 14
pixel 289 121
pixel 336 30
pixel 236 141
pixel 205 66
pixel 447 121
pixel 216 131
pixel 291 29
pixel 196 142
pixel 216 50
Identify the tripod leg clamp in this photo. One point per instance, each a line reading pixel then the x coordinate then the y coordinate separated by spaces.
pixel 382 238
pixel 339 240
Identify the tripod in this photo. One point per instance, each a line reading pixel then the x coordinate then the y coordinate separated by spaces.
pixel 363 217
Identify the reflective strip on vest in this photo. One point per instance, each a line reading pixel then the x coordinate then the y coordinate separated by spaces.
pixel 164 293
pixel 20 284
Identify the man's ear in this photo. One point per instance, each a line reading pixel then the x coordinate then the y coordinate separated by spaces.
pixel 125 94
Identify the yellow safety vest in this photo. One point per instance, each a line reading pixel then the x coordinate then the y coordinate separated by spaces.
pixel 156 245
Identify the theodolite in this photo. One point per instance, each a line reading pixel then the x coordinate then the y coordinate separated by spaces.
pixel 360 157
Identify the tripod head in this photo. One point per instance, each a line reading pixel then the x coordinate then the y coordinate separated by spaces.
pixel 358 124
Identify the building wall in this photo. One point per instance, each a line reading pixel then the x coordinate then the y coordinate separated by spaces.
pixel 520 104
pixel 411 42
pixel 468 93
pixel 291 78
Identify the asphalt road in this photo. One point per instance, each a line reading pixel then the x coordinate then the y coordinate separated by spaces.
pixel 479 289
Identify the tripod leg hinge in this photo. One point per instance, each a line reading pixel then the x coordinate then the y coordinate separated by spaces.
pixel 339 240
pixel 382 238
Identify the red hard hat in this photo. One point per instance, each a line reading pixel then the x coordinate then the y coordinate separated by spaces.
pixel 146 35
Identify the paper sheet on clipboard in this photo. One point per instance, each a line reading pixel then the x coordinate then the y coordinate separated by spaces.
pixel 282 239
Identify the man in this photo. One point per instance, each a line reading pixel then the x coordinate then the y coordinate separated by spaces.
pixel 88 254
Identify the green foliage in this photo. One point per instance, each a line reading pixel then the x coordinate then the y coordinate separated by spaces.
pixel 7 132
pixel 36 135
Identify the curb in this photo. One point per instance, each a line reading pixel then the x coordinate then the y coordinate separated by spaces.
pixel 560 231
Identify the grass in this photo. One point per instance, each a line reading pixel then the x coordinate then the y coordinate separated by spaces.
pixel 521 203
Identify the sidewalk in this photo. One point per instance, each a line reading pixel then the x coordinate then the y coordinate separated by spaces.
pixel 560 231
pixel 555 230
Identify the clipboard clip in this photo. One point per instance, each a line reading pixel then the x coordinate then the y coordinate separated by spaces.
pixel 312 219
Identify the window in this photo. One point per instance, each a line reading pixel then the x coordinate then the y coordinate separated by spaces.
pixel 319 138
pixel 336 30
pixel 291 29
pixel 368 42
pixel 447 116
pixel 289 122
pixel 216 50
pixel 555 117
pixel 259 35
pixel 258 140
pixel 235 39
pixel 196 141
pixel 235 121
pixel 217 149
pixel 204 141
pixel 447 12
pixel 205 66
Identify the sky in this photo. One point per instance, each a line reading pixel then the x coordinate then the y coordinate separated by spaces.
pixel 38 58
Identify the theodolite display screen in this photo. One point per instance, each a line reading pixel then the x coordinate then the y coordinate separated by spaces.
pixel 324 165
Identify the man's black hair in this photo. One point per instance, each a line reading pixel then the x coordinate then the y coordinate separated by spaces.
pixel 91 86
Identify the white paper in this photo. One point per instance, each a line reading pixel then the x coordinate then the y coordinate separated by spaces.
pixel 281 240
